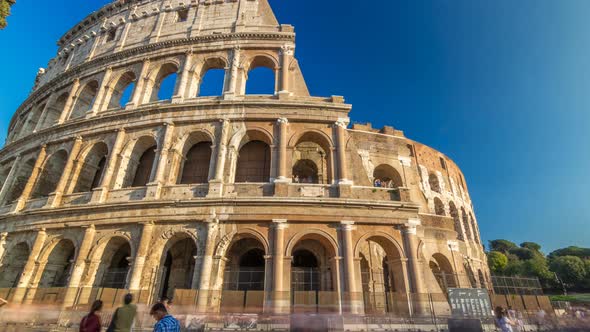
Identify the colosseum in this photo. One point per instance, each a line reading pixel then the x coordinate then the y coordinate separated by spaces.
pixel 227 201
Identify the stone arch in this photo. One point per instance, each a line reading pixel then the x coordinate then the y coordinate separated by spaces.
pixel 257 66
pixel 177 264
pixel 244 268
pixel 228 239
pixel 13 264
pixel 141 159
pixel 434 183
pixel 312 157
pixel 388 176
pixel 92 168
pixel 456 220
pixel 57 258
pixel 51 174
pixel 122 86
pixel 439 207
pixel 196 166
pixel 54 111
pixel 32 120
pixel 111 258
pixel 203 71
pixel 443 272
pixel 254 157
pixel 155 79
pixel 84 100
pixel 23 173
pixel 315 234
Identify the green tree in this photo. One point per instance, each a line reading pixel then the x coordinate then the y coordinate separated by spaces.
pixel 502 246
pixel 531 245
pixel 523 253
pixel 570 269
pixel 497 262
pixel 514 268
pixel 538 267
pixel 5 11
pixel 583 253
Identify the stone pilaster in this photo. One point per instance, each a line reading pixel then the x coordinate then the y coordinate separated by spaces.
pixel 104 93
pixel 233 78
pixel 65 114
pixel 30 267
pixel 3 237
pixel 155 188
pixel 100 195
pixel 26 194
pixel 353 296
pixel 282 181
pixel 280 295
pixel 140 256
pixel 139 90
pixel 216 184
pixel 344 182
pixel 50 101
pixel 79 265
pixel 204 274
pixel 10 179
pixel 185 73
pixel 56 198
pixel 416 278
pixel 286 56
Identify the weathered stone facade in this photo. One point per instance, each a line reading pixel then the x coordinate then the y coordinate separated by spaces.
pixel 270 193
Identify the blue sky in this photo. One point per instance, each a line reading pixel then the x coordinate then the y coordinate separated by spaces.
pixel 502 87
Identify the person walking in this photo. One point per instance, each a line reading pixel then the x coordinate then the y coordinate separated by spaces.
pixel 91 322
pixel 124 316
pixel 165 322
pixel 502 321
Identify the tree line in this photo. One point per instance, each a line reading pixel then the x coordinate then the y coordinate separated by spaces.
pixel 5 11
pixel 567 267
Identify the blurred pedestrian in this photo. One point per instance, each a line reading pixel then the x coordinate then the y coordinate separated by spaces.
pixel 165 322
pixel 502 321
pixel 91 322
pixel 124 316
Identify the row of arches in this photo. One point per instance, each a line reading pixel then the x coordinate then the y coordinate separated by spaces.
pixel 462 221
pixel 242 265
pixel 208 78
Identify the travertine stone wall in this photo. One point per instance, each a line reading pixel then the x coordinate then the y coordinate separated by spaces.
pixel 92 192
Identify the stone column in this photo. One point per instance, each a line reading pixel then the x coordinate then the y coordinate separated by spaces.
pixel 353 298
pixel 138 91
pixel 184 76
pixel 344 182
pixel 50 101
pixel 26 194
pixel 216 184
pixel 142 252
pixel 233 78
pixel 3 237
pixel 282 181
pixel 204 275
pixel 417 287
pixel 103 93
pixel 280 296
pixel 29 267
pixel 286 55
pixel 79 266
pixel 159 178
pixel 100 195
pixel 10 179
pixel 70 102
pixel 56 200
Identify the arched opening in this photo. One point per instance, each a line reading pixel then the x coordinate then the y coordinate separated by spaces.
pixel 313 275
pixel 212 83
pixel 253 163
pixel 387 177
pixel 32 119
pixel 443 272
pixel 141 163
pixel 59 263
pixel 196 165
pixel 456 220
pixel 261 78
pixel 482 280
pixel 4 171
pixel 23 174
pixel 178 266
pixel 13 264
pixel 312 159
pixel 92 168
pixel 439 207
pixel 475 229
pixel 244 276
pixel 382 274
pixel 164 83
pixel 466 225
pixel 114 264
pixel 51 174
pixel 85 100
pixel 123 90
pixel 434 184
pixel 470 274
pixel 53 112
